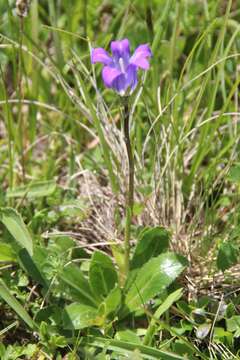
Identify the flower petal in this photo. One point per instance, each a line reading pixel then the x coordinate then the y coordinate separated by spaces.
pixel 134 81
pixel 125 80
pixel 120 49
pixel 120 84
pixel 132 76
pixel 109 74
pixel 100 55
pixel 140 56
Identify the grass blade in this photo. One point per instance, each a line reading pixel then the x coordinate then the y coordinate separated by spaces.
pixel 15 305
pixel 15 225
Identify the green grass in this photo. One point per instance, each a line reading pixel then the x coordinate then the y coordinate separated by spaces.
pixel 63 174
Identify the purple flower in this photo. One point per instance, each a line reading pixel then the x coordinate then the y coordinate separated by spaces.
pixel 120 69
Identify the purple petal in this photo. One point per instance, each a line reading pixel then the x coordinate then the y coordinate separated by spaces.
pixel 120 84
pixel 132 76
pixel 120 49
pixel 100 55
pixel 109 74
pixel 140 56
pixel 125 80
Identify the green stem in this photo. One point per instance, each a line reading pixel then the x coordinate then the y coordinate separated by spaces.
pixel 10 131
pixel 53 11
pixel 149 21
pixel 130 190
pixel 85 17
pixel 107 155
pixel 21 124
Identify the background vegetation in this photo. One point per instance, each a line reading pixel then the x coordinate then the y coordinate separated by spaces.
pixel 63 171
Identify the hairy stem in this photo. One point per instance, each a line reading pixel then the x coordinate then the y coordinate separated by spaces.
pixel 130 190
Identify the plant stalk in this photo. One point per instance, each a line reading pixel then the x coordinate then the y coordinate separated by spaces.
pixel 21 122
pixel 10 128
pixel 130 190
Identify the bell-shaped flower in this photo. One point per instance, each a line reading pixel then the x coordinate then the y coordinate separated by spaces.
pixel 120 70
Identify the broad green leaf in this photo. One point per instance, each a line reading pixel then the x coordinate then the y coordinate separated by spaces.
pixel 33 190
pixel 74 278
pixel 109 307
pixel 6 253
pixel 31 268
pixel 152 242
pixel 79 316
pixel 172 298
pixel 15 225
pixel 14 304
pixel 127 348
pixel 40 255
pixel 102 274
pixel 228 254
pixel 113 301
pixel 155 276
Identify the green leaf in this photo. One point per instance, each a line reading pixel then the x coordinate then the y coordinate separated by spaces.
pixel 172 298
pixel 31 268
pixel 14 304
pixel 15 225
pixel 128 336
pixel 6 253
pixel 233 323
pixel 220 335
pixel 155 276
pixel 33 190
pixel 113 301
pixel 182 348
pixel 118 255
pixel 230 310
pixel 79 316
pixel 2 351
pixel 74 278
pixel 227 256
pixel 51 314
pixel 102 274
pixel 126 348
pixel 16 352
pixel 234 174
pixel 152 242
pixel 61 244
